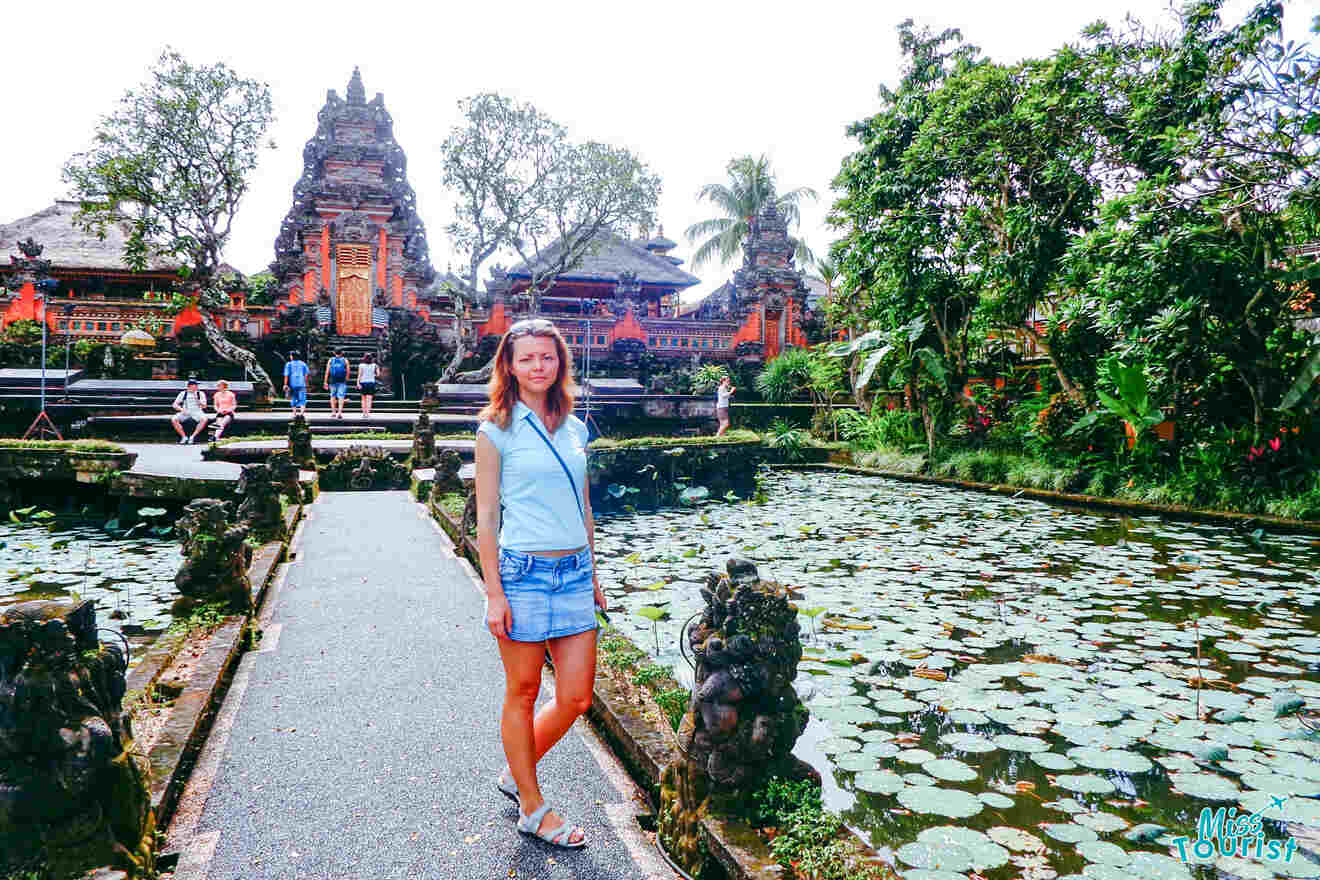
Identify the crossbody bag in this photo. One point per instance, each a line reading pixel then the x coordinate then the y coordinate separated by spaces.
pixel 577 496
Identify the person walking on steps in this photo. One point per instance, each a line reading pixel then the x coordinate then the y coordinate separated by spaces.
pixel 295 383
pixel 722 395
pixel 336 382
pixel 366 382
pixel 540 576
pixel 190 406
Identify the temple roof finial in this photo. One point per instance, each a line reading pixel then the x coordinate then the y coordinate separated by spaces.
pixel 356 93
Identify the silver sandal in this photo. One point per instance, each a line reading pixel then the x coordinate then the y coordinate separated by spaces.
pixel 557 837
pixel 509 790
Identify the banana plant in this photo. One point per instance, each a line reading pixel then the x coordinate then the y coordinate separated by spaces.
pixel 1130 402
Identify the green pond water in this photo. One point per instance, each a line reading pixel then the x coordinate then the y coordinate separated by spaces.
pixel 1068 723
pixel 131 579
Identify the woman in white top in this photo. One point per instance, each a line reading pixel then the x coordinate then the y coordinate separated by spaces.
pixel 366 382
pixel 722 395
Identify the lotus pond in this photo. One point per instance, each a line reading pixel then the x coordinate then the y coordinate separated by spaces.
pixel 1003 689
pixel 130 577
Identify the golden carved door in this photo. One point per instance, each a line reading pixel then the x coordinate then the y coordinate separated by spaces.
pixel 353 312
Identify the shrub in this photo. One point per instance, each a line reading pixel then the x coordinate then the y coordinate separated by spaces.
pixel 892 428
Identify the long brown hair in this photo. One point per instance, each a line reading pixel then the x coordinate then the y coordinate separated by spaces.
pixel 503 387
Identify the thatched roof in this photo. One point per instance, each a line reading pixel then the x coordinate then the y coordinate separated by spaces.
pixel 612 256
pixel 66 245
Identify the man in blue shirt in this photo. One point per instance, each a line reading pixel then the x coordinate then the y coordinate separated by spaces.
pixel 295 383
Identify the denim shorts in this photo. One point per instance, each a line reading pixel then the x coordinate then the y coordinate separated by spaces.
pixel 549 597
pixel 339 389
pixel 298 396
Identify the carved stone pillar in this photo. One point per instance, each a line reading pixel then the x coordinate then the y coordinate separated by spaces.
pixel 744 716
pixel 73 797
pixel 216 557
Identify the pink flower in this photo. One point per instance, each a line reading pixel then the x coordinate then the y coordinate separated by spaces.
pixel 1256 453
pixel 1276 443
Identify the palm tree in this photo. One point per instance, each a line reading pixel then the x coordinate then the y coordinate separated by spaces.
pixel 751 184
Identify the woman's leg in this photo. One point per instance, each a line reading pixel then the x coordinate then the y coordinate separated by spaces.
pixel 366 405
pixel 522 682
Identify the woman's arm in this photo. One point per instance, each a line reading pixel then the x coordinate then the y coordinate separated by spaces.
pixel 498 617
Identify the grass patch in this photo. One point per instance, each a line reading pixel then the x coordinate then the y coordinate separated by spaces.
pixel 452 503
pixel 889 459
pixel 68 445
pixel 621 655
pixel 736 435
pixel 206 616
pixel 347 435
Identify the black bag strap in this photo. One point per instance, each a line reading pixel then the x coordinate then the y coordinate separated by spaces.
pixel 576 495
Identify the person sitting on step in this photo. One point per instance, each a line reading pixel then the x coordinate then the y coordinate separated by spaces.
pixel 189 405
pixel 226 406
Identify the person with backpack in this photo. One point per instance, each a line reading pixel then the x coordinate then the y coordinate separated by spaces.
pixel 295 383
pixel 336 382
pixel 189 406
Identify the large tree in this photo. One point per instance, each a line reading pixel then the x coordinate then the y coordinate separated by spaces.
pixel 524 187
pixel 750 185
pixel 173 160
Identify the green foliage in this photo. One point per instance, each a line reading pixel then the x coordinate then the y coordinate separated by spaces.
pixel 733 435
pixel 788 440
pixel 23 332
pixel 73 445
pixel 809 840
pixel 674 703
pixel 651 673
pixel 708 377
pixel 179 150
pixel 880 428
pixel 206 616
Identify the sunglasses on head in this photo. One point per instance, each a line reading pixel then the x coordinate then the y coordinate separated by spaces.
pixel 530 326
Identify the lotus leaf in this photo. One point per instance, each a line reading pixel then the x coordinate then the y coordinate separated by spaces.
pixel 1102 851
pixel 915 756
pixel 1013 743
pixel 1205 786
pixel 1068 832
pixel 1087 783
pixel 1154 866
pixel 1110 759
pixel 879 782
pixel 996 800
pixel 839 744
pixel 934 857
pixel 1015 839
pixel 968 742
pixel 1102 822
pixel 949 770
pixel 984 853
pixel 1144 833
pixel 940 801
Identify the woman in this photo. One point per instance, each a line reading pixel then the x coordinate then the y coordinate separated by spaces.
pixel 541 586
pixel 722 395
pixel 226 405
pixel 366 382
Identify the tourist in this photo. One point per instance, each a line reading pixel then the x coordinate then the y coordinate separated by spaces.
pixel 189 406
pixel 366 382
pixel 336 382
pixel 722 395
pixel 226 405
pixel 539 572
pixel 295 383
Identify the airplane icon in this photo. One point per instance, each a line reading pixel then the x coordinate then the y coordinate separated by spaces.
pixel 1276 801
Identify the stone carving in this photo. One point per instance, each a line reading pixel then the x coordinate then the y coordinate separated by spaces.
pixel 30 248
pixel 284 473
pixel 300 442
pixel 216 557
pixel 423 442
pixel 72 795
pixel 447 464
pixel 260 509
pixel 430 397
pixel 362 468
pixel 744 716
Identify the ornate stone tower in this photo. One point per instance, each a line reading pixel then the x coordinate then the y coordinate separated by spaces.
pixel 769 295
pixel 353 235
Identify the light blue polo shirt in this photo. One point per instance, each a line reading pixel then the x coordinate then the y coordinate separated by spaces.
pixel 540 512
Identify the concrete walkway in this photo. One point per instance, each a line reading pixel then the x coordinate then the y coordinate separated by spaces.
pixel 361 740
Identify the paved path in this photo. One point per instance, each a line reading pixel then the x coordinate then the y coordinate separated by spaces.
pixel 361 739
pixel 173 460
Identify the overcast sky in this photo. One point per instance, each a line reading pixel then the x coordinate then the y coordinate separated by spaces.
pixel 685 85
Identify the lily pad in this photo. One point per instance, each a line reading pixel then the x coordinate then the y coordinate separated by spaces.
pixel 1087 783
pixel 879 782
pixel 1103 851
pixel 1015 839
pixel 1052 761
pixel 940 801
pixel 949 770
pixel 1205 786
pixel 1068 832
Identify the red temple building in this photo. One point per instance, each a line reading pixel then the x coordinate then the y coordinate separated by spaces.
pixel 352 242
pixel 98 296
